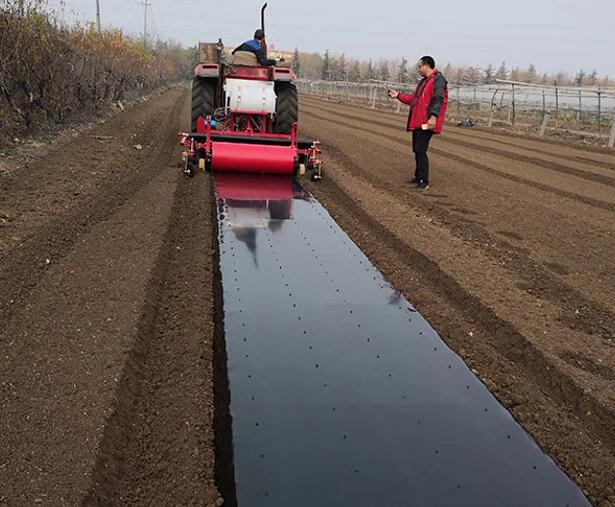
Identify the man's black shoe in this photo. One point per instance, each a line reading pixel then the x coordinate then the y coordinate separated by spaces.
pixel 423 185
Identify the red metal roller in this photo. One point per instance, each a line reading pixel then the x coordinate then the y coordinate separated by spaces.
pixel 253 158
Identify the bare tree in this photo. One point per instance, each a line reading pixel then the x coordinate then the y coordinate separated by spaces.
pixel 402 74
pixel 371 72
pixel 326 67
pixel 296 63
pixel 384 71
pixel 502 72
pixel 593 78
pixel 354 74
pixel 489 74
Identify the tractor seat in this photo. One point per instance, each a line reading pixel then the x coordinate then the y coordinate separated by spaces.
pixel 245 58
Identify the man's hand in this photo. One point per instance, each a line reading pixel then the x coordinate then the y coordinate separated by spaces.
pixel 393 94
pixel 432 122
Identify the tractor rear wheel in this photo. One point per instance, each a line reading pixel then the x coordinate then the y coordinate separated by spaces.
pixel 287 107
pixel 203 99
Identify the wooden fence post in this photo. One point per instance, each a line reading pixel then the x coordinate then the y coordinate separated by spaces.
pixel 580 106
pixel 544 102
pixel 556 105
pixel 599 112
pixel 612 138
pixel 543 127
pixel 492 108
pixel 513 105
pixel 458 100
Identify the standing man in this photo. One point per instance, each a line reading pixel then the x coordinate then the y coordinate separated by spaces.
pixel 428 106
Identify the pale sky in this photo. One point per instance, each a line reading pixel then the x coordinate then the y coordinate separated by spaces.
pixel 553 34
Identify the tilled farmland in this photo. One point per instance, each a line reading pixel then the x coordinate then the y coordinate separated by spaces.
pixel 113 385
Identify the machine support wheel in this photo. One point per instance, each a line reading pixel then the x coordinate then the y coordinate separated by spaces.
pixel 287 107
pixel 190 167
pixel 203 98
pixel 317 172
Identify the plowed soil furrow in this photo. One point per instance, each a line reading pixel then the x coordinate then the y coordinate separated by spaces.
pixel 106 330
pixel 496 266
pixel 555 153
pixel 158 446
pixel 541 181
pixel 56 207
pixel 532 168
pixel 517 153
pixel 594 158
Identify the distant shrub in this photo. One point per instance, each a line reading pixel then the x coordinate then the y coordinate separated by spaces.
pixel 51 73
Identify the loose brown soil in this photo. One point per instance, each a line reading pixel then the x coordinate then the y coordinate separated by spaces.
pixel 508 255
pixel 106 327
pixel 108 347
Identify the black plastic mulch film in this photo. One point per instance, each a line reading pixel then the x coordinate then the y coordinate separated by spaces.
pixel 341 393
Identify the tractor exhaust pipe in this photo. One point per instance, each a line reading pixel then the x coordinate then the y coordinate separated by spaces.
pixel 263 28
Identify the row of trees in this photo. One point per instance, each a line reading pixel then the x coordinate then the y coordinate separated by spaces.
pixel 51 73
pixel 529 75
pixel 331 67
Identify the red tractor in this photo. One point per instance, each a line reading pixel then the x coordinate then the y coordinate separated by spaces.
pixel 244 117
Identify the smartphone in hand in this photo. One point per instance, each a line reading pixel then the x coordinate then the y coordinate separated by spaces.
pixel 393 94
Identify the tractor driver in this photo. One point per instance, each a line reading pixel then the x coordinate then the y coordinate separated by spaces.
pixel 256 46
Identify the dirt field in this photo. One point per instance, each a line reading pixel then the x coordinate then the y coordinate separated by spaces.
pixel 107 295
pixel 106 320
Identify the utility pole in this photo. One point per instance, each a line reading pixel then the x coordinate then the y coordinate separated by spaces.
pixel 98 15
pixel 146 4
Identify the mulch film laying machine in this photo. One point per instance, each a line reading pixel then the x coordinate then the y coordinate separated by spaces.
pixel 245 117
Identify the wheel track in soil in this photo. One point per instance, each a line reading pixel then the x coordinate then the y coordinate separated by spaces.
pixel 547 164
pixel 606 160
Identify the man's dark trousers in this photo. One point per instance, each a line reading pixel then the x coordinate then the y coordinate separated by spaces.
pixel 420 144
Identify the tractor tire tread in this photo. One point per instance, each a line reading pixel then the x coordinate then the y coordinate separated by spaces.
pixel 287 108
pixel 203 95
